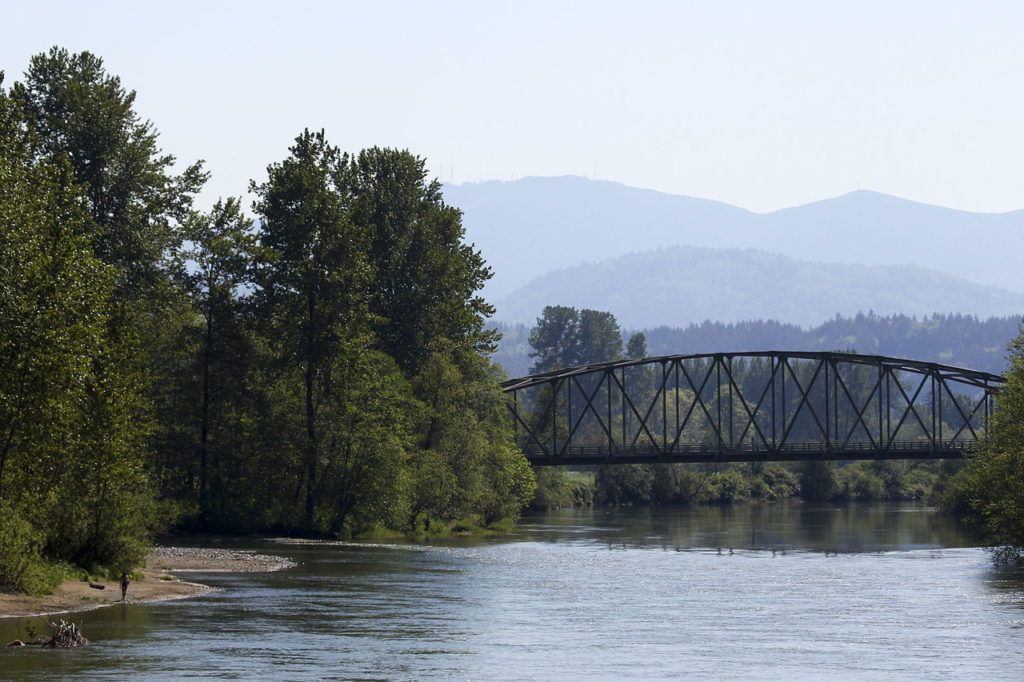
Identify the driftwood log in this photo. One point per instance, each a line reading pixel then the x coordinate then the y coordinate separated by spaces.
pixel 63 635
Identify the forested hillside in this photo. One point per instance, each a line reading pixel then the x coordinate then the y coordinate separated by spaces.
pixel 961 340
pixel 679 286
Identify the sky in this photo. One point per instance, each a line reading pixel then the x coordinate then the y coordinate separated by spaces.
pixel 759 104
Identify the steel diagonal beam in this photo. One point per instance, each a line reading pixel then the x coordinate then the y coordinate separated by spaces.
pixel 529 431
pixel 697 400
pixel 803 400
pixel 750 415
pixel 967 420
pixel 654 403
pixel 588 406
pixel 626 399
pixel 910 408
pixel 860 412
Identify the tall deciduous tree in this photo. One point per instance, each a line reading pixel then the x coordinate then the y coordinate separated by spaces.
pixel 311 276
pixel 425 277
pixel 213 266
pixel 85 114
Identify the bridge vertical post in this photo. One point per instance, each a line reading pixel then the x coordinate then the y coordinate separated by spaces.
pixel 835 402
pixel 782 365
pixel 622 388
pixel 664 405
pixel 888 407
pixel 987 398
pixel 554 417
pixel 718 401
pixel 675 429
pixel 608 382
pixel 932 434
pixel 515 413
pixel 771 377
pixel 881 437
pixel 732 418
pixel 568 412
pixel 828 431
pixel 942 385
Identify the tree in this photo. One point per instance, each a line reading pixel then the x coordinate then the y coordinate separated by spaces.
pixel 468 461
pixel 212 266
pixel 599 337
pixel 83 114
pixel 425 278
pixel 71 453
pixel 311 277
pixel 988 493
pixel 555 339
pixel 566 337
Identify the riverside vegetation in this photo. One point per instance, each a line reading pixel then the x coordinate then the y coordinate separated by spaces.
pixel 320 368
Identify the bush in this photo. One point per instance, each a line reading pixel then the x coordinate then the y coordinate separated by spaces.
pixel 623 484
pixel 858 481
pixel 22 568
pixel 818 481
pixel 728 486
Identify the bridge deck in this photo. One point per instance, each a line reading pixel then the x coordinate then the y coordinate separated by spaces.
pixel 797 452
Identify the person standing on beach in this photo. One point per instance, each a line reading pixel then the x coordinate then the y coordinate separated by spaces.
pixel 124 586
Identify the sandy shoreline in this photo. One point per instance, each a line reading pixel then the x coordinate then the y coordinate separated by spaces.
pixel 158 581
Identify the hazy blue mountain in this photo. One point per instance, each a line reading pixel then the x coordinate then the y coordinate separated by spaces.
pixel 532 226
pixel 679 286
pixel 528 227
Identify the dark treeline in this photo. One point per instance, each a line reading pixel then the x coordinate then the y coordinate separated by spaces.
pixel 320 367
pixel 961 340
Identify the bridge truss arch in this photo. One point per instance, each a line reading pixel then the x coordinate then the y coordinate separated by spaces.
pixel 750 406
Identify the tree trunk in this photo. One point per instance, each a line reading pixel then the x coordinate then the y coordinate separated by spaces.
pixel 311 449
pixel 204 427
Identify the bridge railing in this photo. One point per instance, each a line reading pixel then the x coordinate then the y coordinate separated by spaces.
pixel 911 449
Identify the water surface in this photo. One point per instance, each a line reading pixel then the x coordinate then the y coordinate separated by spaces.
pixel 777 591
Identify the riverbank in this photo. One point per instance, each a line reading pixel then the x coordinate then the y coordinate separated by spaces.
pixel 156 582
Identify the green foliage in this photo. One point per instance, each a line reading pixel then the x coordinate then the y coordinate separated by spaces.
pixel 818 482
pixel 425 277
pixel 558 487
pixel 728 486
pixel 83 115
pixel 22 567
pixel 988 492
pixel 323 370
pixel 566 337
pixel 858 482
pixel 623 484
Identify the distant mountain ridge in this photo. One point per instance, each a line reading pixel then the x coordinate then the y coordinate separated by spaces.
pixel 529 227
pixel 685 285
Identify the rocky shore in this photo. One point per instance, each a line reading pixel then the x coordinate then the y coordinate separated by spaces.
pixel 155 582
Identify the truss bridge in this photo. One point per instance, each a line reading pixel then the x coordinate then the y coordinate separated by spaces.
pixel 750 406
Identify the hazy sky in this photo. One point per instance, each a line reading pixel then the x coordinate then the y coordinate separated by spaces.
pixel 761 104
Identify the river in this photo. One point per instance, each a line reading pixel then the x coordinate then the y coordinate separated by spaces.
pixel 766 591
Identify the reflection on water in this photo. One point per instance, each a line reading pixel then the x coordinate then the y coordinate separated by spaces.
pixel 805 527
pixel 769 591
